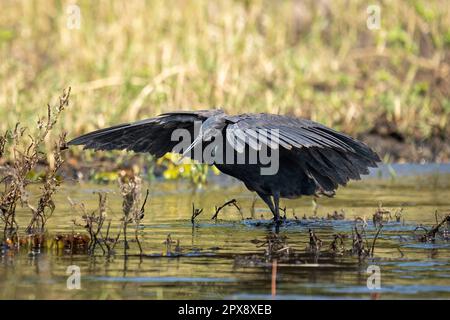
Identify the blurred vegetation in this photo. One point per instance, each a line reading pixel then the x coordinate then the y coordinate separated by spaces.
pixel 315 59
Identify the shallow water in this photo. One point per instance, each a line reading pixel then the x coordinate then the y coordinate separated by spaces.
pixel 222 259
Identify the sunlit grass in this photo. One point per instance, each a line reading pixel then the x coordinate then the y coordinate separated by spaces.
pixel 135 59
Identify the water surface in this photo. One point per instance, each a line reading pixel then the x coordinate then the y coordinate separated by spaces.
pixel 223 259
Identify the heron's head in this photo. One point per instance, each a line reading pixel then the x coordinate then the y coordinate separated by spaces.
pixel 210 128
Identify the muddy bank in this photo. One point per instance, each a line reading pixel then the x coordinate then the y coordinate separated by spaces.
pixel 393 148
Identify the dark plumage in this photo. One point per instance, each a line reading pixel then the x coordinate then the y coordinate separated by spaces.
pixel 312 158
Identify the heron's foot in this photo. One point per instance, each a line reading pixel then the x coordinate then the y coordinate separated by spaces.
pixel 277 219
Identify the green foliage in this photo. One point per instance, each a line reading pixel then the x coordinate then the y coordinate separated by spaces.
pixel 194 172
pixel 104 177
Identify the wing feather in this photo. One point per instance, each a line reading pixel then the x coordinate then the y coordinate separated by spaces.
pixel 151 135
pixel 329 157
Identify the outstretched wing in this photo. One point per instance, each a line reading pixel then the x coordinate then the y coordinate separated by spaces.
pixel 328 157
pixel 150 135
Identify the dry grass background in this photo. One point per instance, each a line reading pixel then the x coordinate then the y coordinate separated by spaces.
pixel 316 59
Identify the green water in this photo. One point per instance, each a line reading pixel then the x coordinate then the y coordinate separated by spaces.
pixel 222 260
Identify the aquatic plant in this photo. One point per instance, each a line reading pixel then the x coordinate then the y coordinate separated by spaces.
pixel 315 244
pixel 20 153
pixel 385 215
pixel 195 213
pixel 94 222
pixel 133 209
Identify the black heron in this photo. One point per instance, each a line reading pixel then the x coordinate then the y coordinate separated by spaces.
pixel 313 159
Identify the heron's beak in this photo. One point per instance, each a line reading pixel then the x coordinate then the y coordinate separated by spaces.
pixel 192 146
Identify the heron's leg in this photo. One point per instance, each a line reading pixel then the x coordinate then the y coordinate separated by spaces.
pixel 266 198
pixel 276 200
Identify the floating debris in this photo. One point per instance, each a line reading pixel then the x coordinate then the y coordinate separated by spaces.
pixel 274 244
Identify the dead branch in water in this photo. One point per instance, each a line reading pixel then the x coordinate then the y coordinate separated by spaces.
pixel 430 235
pixel 232 202
pixel 195 213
